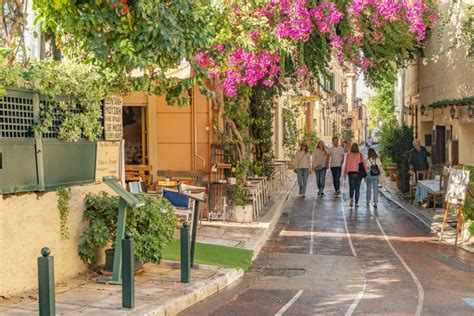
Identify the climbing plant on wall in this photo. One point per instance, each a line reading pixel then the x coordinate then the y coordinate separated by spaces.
pixel 290 129
pixel 262 103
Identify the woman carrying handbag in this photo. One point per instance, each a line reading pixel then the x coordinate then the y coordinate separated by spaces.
pixel 302 168
pixel 320 165
pixel 356 170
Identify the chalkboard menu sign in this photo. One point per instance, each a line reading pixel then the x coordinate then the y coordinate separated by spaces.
pixel 113 118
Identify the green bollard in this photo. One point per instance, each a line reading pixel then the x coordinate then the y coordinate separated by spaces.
pixel 185 262
pixel 46 299
pixel 128 271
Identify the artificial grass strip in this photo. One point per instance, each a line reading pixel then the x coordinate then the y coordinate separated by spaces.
pixel 227 257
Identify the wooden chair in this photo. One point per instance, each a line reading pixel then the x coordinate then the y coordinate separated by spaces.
pixel 139 172
pixel 433 196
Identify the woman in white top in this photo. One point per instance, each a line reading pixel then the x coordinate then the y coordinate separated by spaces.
pixel 302 167
pixel 374 174
pixel 320 165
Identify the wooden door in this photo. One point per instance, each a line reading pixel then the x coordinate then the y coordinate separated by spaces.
pixel 455 152
pixel 439 147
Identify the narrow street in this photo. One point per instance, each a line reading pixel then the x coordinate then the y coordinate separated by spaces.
pixel 326 258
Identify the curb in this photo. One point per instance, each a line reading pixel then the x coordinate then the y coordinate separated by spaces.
pixel 422 219
pixel 276 216
pixel 195 293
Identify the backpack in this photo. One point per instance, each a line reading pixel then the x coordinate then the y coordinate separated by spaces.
pixel 374 169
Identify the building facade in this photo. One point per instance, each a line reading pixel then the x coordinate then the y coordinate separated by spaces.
pixel 435 93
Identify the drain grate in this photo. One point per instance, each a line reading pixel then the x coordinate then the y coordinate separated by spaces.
pixel 454 263
pixel 289 273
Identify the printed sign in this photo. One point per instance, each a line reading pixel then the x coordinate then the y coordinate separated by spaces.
pixel 108 160
pixel 457 186
pixel 113 127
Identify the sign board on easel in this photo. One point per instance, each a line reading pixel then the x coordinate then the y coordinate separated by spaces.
pixel 455 196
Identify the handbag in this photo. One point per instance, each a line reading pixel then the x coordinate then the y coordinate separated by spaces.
pixel 374 169
pixel 297 163
pixel 362 171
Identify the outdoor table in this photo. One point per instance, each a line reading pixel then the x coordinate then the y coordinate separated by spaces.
pixel 424 187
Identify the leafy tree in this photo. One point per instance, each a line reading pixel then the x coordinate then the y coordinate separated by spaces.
pixel 381 106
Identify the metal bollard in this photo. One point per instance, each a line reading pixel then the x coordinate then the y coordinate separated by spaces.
pixel 185 262
pixel 46 300
pixel 128 272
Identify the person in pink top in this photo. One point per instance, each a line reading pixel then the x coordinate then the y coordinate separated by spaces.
pixel 353 159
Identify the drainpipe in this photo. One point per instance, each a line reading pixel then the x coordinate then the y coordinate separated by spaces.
pixel 196 154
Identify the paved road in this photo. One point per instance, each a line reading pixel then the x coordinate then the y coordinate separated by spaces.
pixel 344 261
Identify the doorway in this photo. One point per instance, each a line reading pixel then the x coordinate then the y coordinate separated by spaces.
pixel 135 135
pixel 439 147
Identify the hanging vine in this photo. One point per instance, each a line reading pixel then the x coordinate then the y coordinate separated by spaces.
pixel 64 196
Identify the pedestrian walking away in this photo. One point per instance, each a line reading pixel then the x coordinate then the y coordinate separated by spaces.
pixel 374 176
pixel 418 159
pixel 320 166
pixel 355 170
pixel 336 154
pixel 302 168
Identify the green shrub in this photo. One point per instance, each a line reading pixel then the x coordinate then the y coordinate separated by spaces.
pixel 395 142
pixel 152 226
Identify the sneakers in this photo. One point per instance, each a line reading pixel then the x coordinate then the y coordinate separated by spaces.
pixel 351 204
pixel 338 192
pixel 303 196
pixel 375 205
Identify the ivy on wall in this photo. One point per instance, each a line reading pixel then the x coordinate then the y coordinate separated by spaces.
pixel 290 129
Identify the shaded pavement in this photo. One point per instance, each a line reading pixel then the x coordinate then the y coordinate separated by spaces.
pixel 327 258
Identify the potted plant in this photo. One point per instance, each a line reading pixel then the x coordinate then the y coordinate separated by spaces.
pixel 242 212
pixel 232 180
pixel 152 227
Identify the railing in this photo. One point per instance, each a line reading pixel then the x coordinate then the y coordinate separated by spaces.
pixel 30 162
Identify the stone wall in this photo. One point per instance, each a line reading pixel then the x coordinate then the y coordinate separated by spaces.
pixel 29 222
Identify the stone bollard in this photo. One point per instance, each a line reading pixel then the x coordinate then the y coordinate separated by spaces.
pixel 128 272
pixel 185 262
pixel 46 296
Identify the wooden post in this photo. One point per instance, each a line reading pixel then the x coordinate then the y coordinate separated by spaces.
pixel 446 210
pixel 458 224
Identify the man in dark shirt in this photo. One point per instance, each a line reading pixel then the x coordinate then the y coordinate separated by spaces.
pixel 418 157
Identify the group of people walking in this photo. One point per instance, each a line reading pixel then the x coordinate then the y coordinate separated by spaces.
pixel 356 169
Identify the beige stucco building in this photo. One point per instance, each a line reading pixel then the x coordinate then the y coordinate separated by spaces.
pixel 434 94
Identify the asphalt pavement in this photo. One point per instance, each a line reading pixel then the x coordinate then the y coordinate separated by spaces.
pixel 327 258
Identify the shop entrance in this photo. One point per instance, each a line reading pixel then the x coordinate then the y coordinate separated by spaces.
pixel 135 135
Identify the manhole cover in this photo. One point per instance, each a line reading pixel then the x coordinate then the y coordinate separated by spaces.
pixel 454 263
pixel 289 273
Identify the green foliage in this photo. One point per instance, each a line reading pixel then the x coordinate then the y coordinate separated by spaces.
pixel 381 107
pixel 64 196
pixel 71 84
pixel 468 209
pixel 290 129
pixel 311 140
pixel 348 135
pixel 154 36
pixel 262 104
pixel 152 226
pixel 335 130
pixel 395 142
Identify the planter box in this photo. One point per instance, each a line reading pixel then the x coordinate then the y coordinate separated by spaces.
pixel 242 214
pixel 109 261
pixel 392 172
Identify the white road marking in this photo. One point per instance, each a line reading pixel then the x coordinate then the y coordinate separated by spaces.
pixel 360 295
pixel 290 302
pixel 357 300
pixel 421 293
pixel 311 243
pixel 347 230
